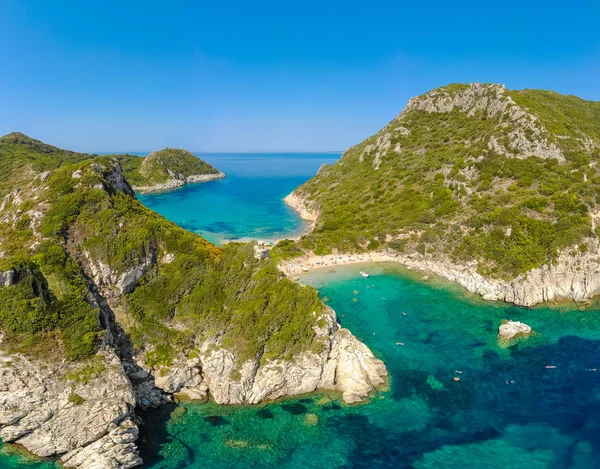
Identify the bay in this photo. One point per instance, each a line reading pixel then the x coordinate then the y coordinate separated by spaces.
pixel 248 202
pixel 506 409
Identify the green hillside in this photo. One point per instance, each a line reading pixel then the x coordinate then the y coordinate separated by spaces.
pixel 84 215
pixel 21 156
pixel 160 166
pixel 508 178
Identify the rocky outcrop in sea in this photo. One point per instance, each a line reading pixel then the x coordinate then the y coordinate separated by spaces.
pixel 177 180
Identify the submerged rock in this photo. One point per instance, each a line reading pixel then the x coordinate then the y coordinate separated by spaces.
pixel 511 329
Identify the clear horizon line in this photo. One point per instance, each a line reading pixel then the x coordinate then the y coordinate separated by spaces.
pixel 220 152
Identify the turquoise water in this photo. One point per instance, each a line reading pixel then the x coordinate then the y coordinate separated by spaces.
pixel 507 410
pixel 247 203
pixel 13 458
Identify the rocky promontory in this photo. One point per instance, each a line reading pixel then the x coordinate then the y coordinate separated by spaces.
pixel 166 170
pixel 488 187
pixel 106 306
pixel 177 180
pixel 343 364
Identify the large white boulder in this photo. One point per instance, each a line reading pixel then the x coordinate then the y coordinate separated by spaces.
pixel 512 329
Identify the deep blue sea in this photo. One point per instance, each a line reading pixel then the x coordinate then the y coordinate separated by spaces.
pixel 506 410
pixel 247 203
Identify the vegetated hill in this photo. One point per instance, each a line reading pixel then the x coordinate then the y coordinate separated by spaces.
pixel 22 156
pixel 163 166
pixel 84 221
pixel 467 172
pixel 76 238
pixel 105 306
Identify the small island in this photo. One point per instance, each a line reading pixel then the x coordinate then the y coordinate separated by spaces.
pixel 166 170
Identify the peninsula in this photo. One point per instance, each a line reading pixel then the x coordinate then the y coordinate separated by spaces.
pixel 106 306
pixel 165 170
pixel 492 188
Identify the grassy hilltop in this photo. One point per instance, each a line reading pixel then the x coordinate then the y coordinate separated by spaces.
pixel 509 178
pixel 160 166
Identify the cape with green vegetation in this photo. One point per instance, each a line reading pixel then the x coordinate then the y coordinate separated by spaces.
pixel 166 170
pixel 496 189
pixel 105 306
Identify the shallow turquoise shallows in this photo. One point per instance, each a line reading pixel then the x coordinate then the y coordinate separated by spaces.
pixel 507 410
pixel 247 203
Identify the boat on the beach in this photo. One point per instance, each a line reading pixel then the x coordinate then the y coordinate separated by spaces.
pixel 364 274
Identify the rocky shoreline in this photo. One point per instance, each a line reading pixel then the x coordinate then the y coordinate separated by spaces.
pixel 176 181
pixel 83 414
pixel 572 277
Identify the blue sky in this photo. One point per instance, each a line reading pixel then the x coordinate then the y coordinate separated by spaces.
pixel 263 75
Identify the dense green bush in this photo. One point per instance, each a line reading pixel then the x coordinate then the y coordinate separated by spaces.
pixel 515 213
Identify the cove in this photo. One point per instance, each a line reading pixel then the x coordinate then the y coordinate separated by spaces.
pixel 248 202
pixel 507 410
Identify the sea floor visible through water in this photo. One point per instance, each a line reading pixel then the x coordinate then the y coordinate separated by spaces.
pixel 248 202
pixel 506 410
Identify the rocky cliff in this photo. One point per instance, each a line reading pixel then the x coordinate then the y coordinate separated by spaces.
pixel 492 188
pixel 343 364
pixel 125 309
pixel 82 412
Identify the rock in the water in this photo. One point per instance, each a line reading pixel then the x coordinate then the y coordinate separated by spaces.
pixel 512 329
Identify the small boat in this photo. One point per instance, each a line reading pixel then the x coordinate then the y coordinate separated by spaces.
pixel 364 274
pixel 304 270
pixel 356 292
pixel 399 343
pixel 550 367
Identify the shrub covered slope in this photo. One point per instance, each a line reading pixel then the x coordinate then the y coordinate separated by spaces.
pixel 508 178
pixel 76 241
pixel 160 166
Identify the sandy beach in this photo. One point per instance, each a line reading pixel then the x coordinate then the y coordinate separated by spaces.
pixel 300 265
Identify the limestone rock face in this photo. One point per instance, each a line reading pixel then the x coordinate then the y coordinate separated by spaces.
pixel 305 209
pixel 117 181
pixel 37 410
pixel 106 278
pixel 572 277
pixel 344 364
pixel 528 136
pixel 512 329
pixel 177 180
pixel 7 278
